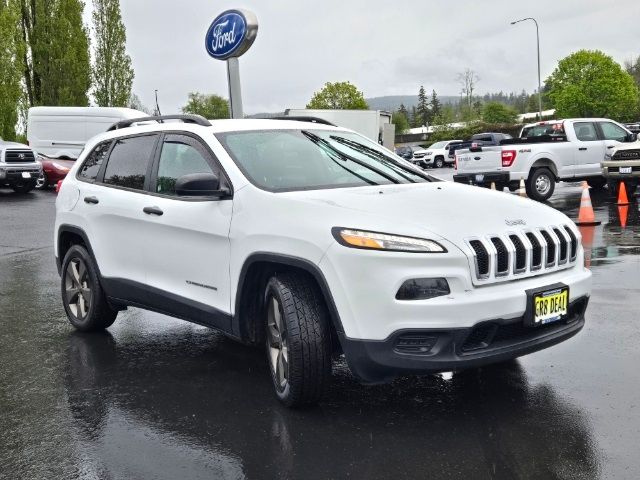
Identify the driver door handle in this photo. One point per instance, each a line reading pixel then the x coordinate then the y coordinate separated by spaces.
pixel 152 211
pixel 582 148
pixel 93 200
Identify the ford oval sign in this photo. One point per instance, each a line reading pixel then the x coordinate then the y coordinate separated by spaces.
pixel 231 34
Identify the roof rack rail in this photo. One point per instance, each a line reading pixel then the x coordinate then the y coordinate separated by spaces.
pixel 310 119
pixel 189 118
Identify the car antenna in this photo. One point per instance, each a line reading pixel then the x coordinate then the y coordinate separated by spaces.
pixel 157 113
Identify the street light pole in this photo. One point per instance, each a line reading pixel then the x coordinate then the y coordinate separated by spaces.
pixel 538 42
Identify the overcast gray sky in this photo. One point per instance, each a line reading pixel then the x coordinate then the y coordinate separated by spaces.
pixel 384 47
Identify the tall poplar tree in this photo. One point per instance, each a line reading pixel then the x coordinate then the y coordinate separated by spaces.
pixel 112 71
pixel 10 67
pixel 56 62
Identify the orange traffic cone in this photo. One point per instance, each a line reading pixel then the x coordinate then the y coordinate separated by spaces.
pixel 586 216
pixel 622 194
pixel 623 212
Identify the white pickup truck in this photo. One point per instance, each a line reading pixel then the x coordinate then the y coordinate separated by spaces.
pixel 546 153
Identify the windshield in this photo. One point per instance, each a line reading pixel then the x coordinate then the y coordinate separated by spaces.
pixel 553 129
pixel 438 145
pixel 285 160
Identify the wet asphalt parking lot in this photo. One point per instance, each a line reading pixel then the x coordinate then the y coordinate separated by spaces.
pixel 159 398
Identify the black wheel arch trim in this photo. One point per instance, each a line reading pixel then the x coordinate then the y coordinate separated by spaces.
pixel 64 228
pixel 285 260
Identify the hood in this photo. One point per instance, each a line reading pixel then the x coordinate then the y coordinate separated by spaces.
pixel 446 210
pixel 4 144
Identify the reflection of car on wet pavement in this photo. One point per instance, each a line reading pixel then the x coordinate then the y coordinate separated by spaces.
pixel 221 240
pixel 490 420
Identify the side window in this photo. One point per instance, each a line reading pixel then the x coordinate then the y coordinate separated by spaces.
pixel 128 162
pixel 585 131
pixel 181 155
pixel 91 166
pixel 611 131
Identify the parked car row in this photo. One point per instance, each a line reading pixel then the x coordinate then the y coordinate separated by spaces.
pixel 435 156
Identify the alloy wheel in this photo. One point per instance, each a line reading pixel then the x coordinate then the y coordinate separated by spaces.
pixel 277 341
pixel 41 182
pixel 77 288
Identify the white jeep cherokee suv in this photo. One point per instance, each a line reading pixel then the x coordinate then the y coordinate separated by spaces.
pixel 306 238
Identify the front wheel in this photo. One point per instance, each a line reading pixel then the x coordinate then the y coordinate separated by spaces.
pixel 541 184
pixel 439 163
pixel 297 339
pixel 42 182
pixel 82 296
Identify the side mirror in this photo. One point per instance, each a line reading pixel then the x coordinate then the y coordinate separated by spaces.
pixel 199 185
pixel 447 147
pixel 632 137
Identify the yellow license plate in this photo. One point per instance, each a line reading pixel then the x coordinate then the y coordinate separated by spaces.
pixel 550 306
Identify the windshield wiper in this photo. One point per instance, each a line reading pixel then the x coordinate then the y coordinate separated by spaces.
pixel 376 155
pixel 324 143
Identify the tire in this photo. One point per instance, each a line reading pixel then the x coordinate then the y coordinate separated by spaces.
pixel 597 182
pixel 297 339
pixel 42 183
pixel 23 187
pixel 541 184
pixel 83 299
pixel 439 162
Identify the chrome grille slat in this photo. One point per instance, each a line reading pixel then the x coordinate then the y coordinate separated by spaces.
pixel 523 253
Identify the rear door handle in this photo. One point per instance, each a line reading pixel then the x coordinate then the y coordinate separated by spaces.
pixel 152 211
pixel 92 200
pixel 582 148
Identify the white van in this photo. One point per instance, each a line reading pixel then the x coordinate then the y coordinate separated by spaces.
pixel 61 132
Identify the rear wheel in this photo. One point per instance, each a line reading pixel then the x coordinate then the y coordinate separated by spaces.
pixel 540 184
pixel 82 296
pixel 297 339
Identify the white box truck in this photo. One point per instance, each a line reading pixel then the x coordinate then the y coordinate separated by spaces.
pixel 61 132
pixel 373 124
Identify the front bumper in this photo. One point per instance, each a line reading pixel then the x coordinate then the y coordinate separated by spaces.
pixel 482 178
pixel 456 349
pixel 12 175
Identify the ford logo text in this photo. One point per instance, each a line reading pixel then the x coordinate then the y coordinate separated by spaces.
pixel 231 34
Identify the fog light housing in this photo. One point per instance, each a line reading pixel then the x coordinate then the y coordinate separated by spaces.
pixel 3 173
pixel 423 289
pixel 415 343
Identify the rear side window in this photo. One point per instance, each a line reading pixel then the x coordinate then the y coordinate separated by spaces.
pixel 129 161
pixel 91 166
pixel 585 131
pixel 181 155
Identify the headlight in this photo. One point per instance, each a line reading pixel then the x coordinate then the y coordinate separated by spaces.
pixel 384 241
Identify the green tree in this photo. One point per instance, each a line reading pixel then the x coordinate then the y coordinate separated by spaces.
pixel 56 57
pixel 436 106
pixel 11 56
pixel 404 110
pixel 338 95
pixel 495 112
pixel 591 84
pixel 400 120
pixel 209 106
pixel 135 103
pixel 112 73
pixel 423 108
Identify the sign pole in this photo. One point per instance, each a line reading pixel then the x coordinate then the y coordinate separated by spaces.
pixel 235 93
pixel 229 36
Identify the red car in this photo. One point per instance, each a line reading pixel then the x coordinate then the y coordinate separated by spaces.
pixel 53 170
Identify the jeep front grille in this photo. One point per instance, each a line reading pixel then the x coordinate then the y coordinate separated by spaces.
pixel 524 253
pixel 19 156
